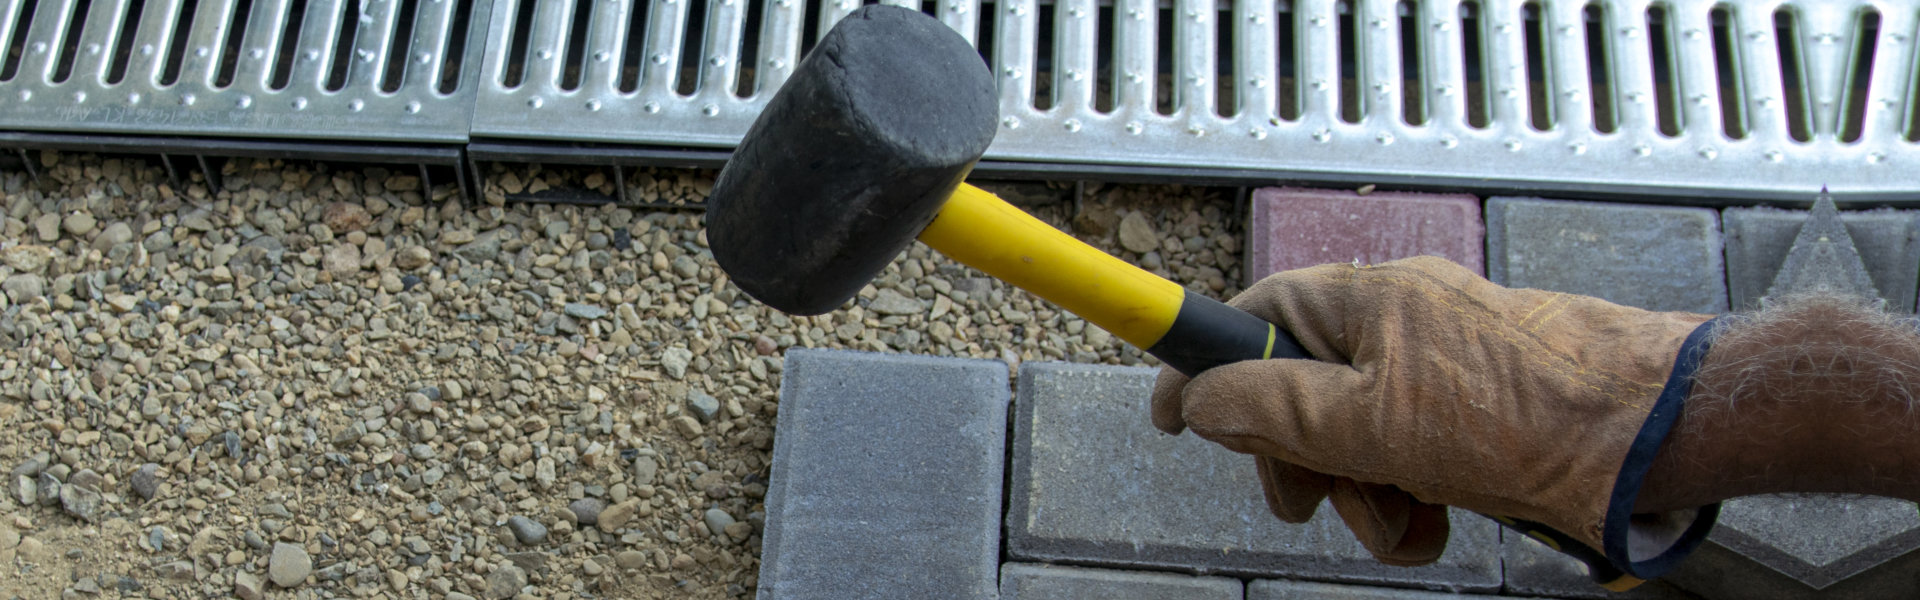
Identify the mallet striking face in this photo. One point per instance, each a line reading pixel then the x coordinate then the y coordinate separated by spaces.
pixel 866 148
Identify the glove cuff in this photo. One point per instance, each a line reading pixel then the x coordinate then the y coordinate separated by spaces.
pixel 1643 547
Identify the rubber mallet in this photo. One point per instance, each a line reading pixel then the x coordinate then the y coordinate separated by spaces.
pixel 866 147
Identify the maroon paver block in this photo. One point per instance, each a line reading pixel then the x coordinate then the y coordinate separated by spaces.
pixel 1292 228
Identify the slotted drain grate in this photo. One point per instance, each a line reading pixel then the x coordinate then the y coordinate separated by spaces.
pixel 1623 95
pixel 392 70
pixel 1675 98
pixel 1668 97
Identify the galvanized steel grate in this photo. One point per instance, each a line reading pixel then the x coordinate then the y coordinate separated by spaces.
pixel 1675 97
pixel 1622 95
pixel 314 69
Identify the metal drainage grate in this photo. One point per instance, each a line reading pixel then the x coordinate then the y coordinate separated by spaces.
pixel 1762 99
pixel 390 70
pixel 1677 98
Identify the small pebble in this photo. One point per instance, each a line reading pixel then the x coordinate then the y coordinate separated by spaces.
pixel 528 531
pixel 289 565
pixel 717 521
pixel 703 406
pixel 146 481
pixel 586 511
pixel 616 516
pixel 506 582
pixel 630 559
pixel 247 586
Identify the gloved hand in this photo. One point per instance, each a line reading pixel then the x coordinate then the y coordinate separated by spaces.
pixel 1434 387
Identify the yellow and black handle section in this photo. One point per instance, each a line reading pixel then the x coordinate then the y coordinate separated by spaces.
pixel 1188 331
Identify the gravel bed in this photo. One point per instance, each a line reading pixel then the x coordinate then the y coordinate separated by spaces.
pixel 332 381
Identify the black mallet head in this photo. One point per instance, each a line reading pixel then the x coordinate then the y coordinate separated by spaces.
pixel 851 159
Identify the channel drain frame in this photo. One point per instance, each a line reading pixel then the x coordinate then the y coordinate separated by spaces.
pixel 280 69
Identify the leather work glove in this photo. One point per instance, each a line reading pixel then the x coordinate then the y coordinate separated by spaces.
pixel 1436 387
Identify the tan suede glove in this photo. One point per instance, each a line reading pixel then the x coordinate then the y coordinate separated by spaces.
pixel 1437 388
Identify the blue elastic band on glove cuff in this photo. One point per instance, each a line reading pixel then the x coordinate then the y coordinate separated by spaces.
pixel 1633 471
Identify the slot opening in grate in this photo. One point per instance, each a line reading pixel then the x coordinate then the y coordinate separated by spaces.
pixel 815 12
pixel 750 49
pixel 687 80
pixel 1413 99
pixel 1041 82
pixel 451 62
pixel 1866 40
pixel 1286 62
pixel 123 44
pixel 343 46
pixel 177 48
pixel 1726 67
pixel 289 45
pixel 1164 84
pixel 17 47
pixel 1479 92
pixel 230 48
pixel 1103 42
pixel 1666 72
pixel 1600 68
pixel 69 47
pixel 1793 75
pixel 1911 131
pixel 402 47
pixel 633 52
pixel 1539 85
pixel 576 42
pixel 1226 102
pixel 517 45
pixel 1352 99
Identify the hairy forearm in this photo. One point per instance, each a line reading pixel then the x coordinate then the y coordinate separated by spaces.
pixel 1813 394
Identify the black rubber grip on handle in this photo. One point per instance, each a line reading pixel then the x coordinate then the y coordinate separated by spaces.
pixel 1206 334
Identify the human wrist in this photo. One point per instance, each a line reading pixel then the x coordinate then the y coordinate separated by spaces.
pixel 1813 394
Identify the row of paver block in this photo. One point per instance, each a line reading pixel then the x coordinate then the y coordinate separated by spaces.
pixel 918 477
pixel 1650 256
pixel 893 477
pixel 888 481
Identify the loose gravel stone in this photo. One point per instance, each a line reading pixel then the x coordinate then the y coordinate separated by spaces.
pixel 616 516
pixel 584 311
pixel 413 257
pixel 419 403
pixel 506 582
pixel 146 481
pixel 48 226
pixel 688 427
pixel 889 302
pixel 703 406
pixel 289 565
pixel 675 361
pixel 247 586
pixel 1137 235
pixel 586 511
pixel 49 489
pixel 344 217
pixel 81 502
pixel 526 531
pixel 718 521
pixel 79 224
pixel 645 469
pixel 631 559
pixel 26 492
